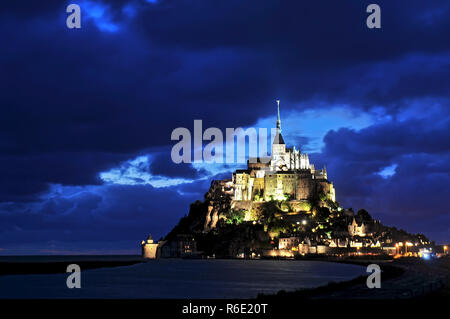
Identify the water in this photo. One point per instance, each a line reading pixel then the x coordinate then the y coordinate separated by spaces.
pixel 176 278
pixel 69 258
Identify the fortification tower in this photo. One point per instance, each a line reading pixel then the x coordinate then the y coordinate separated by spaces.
pixel 149 248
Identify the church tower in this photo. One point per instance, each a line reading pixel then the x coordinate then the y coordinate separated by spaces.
pixel 279 160
pixel 287 176
pixel 278 145
pixel 149 248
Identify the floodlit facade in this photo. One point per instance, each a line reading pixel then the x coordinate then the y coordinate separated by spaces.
pixel 288 175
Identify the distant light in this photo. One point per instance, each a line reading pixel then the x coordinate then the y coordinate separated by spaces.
pixel 426 256
pixel 304 222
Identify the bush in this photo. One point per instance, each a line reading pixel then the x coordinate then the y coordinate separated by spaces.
pixel 235 216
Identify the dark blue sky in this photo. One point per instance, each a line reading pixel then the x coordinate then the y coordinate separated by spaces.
pixel 86 115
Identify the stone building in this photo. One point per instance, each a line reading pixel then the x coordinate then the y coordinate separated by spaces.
pixel 181 246
pixel 288 174
pixel 288 242
pixel 355 229
pixel 149 248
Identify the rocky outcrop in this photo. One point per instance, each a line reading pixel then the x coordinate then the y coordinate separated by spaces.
pixel 219 200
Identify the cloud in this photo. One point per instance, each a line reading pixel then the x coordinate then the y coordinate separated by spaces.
pixel 388 171
pixel 94 217
pixel 98 12
pixel 138 172
pixel 395 170
pixel 163 165
pixel 80 107
pixel 308 127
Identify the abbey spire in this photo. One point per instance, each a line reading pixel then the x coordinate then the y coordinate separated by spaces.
pixel 278 118
pixel 278 138
pixel 287 174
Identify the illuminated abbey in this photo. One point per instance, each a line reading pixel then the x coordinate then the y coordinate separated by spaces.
pixel 279 206
pixel 288 175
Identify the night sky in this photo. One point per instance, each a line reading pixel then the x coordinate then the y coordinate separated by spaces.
pixel 87 114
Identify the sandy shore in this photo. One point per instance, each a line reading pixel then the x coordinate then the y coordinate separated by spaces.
pixel 401 279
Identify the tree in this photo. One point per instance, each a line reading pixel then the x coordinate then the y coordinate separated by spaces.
pixel 322 214
pixel 235 216
pixel 269 209
pixel 316 197
pixel 364 216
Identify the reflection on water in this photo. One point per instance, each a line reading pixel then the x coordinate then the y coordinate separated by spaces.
pixel 176 278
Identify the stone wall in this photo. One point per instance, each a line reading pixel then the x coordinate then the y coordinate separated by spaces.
pixel 304 188
pixel 149 251
pixel 278 253
pixel 241 204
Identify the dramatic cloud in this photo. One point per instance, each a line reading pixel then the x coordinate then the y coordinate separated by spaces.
pixel 109 219
pixel 396 170
pixel 92 110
